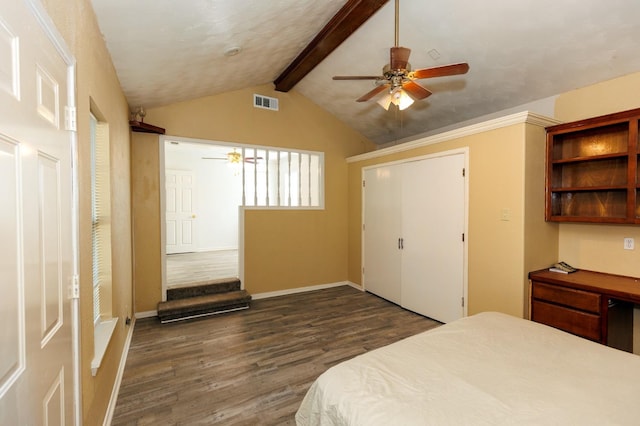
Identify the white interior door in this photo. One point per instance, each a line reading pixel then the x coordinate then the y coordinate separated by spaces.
pixel 37 260
pixel 180 215
pixel 433 200
pixel 382 255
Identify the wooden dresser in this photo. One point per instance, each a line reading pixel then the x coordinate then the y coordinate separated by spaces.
pixel 589 304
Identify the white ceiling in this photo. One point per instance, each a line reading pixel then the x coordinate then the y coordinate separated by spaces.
pixel 519 51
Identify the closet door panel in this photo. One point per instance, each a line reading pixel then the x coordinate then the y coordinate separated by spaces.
pixel 382 257
pixel 432 227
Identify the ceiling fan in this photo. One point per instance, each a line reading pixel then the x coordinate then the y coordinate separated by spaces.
pixel 235 158
pixel 399 79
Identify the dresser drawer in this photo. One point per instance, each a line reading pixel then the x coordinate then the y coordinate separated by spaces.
pixel 570 320
pixel 578 299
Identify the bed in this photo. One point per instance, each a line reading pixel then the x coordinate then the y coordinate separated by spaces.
pixel 486 369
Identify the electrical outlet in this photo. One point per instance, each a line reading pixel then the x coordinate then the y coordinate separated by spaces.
pixel 629 244
pixel 505 215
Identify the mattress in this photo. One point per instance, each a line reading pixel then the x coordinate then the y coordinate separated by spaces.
pixel 487 369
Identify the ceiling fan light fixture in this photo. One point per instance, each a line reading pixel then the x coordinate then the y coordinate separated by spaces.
pixel 398 97
pixel 234 157
pixel 385 101
pixel 401 99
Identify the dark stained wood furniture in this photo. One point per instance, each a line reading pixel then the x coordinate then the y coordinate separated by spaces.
pixel 139 126
pixel 593 305
pixel 592 170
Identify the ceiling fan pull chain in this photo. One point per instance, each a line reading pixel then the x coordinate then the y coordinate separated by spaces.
pixel 398 77
pixel 397 26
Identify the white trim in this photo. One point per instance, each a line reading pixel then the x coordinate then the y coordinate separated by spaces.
pixel 205 249
pixel 267 148
pixel 463 150
pixel 163 221
pixel 509 120
pixel 356 286
pixel 52 33
pixel 301 290
pixel 146 314
pixel 456 151
pixel 111 408
pixel 241 211
pixel 46 23
pixel 103 331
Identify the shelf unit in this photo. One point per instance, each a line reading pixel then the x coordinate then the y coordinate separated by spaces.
pixel 592 170
pixel 139 126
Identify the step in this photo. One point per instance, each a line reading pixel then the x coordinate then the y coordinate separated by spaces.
pixel 199 306
pixel 203 288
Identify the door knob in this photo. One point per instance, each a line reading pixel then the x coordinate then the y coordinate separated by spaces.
pixel 193 216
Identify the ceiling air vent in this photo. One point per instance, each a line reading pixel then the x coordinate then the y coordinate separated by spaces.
pixel 265 102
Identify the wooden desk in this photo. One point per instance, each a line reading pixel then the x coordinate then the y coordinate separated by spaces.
pixel 589 304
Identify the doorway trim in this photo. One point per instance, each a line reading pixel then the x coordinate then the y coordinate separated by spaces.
pixel 456 151
pixel 163 206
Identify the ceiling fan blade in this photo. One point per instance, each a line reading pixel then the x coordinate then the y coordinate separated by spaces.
pixel 357 77
pixel 445 70
pixel 399 58
pixel 372 93
pixel 416 91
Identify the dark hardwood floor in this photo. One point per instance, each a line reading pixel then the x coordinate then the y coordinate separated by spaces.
pixel 252 367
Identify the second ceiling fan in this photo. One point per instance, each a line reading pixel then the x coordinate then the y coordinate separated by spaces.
pixel 398 78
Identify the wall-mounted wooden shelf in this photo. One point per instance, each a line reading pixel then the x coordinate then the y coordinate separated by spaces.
pixel 138 126
pixel 593 169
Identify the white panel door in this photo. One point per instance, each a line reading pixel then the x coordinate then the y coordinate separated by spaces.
pixel 433 201
pixel 180 216
pixel 382 209
pixel 37 260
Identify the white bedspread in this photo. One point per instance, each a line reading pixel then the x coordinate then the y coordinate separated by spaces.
pixel 487 369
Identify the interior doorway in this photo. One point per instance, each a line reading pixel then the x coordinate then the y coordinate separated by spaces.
pixel 201 214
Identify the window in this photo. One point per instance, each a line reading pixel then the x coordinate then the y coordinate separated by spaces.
pixel 277 178
pixel 104 324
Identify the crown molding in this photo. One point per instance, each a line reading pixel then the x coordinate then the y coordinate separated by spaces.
pixel 497 123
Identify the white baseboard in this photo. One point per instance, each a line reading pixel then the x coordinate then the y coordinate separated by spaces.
pixel 203 249
pixel 111 408
pixel 146 314
pixel 356 286
pixel 302 290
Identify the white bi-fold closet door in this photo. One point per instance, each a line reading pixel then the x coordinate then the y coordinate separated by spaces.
pixel 413 245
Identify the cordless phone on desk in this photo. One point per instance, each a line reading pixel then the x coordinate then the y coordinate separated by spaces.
pixel 562 267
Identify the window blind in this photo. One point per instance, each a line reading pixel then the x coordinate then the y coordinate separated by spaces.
pixel 100 217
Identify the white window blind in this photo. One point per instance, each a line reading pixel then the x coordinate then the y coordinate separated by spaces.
pixel 100 219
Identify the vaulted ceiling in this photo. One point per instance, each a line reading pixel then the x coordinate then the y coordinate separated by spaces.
pixel 519 52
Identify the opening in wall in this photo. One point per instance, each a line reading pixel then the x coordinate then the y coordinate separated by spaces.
pixel 104 323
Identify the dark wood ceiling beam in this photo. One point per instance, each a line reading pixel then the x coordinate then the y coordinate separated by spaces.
pixel 340 27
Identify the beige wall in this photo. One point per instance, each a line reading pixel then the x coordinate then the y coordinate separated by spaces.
pixel 97 81
pixel 496 250
pixel 145 187
pixel 592 246
pixel 541 238
pixel 284 249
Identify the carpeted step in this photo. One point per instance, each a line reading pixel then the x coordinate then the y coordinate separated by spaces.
pixel 199 306
pixel 203 288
